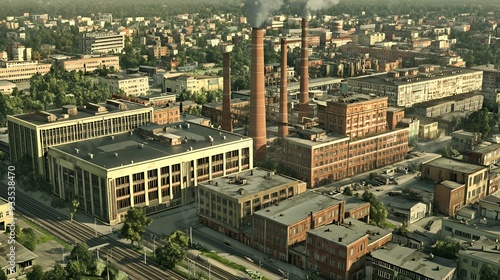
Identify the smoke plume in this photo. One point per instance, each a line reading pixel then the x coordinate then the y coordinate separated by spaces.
pixel 259 10
pixel 315 5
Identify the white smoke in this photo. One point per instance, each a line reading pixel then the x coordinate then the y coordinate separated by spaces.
pixel 315 5
pixel 259 10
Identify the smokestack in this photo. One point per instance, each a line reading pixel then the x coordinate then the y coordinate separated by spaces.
pixel 304 75
pixel 283 124
pixel 257 127
pixel 227 123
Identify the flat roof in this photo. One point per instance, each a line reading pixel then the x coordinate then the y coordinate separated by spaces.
pixel 351 202
pixel 414 260
pixel 128 147
pixel 384 79
pixel 458 97
pixel 22 254
pixel 6 83
pixel 402 203
pixel 451 185
pixel 37 119
pixel 452 164
pixel 297 208
pixel 487 68
pixel 492 198
pixel 351 231
pixel 485 147
pixel 257 180
pixel 328 138
pixel 483 249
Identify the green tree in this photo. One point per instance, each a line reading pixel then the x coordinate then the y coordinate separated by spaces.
pixel 447 248
pixel 81 254
pixel 347 191
pixel 378 213
pixel 112 270
pixel 135 225
pixel 173 250
pixel 73 208
pixel 56 273
pixel 75 270
pixel 28 238
pixel 403 229
pixel 3 276
pixel 36 273
pixel 487 272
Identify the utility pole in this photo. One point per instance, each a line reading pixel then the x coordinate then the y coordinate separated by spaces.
pixel 191 236
pixel 154 245
pixel 95 226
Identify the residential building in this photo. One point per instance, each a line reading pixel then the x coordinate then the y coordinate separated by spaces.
pixel 449 197
pixel 155 167
pixel 474 177
pixel 278 227
pixel 227 204
pixel 469 228
pixel 485 153
pixel 489 207
pixel 6 87
pixel 130 85
pixel 462 140
pixel 90 63
pixel 33 133
pixel 397 262
pixel 18 71
pixel 192 83
pixel 475 255
pixel 92 43
pixel 406 87
pixel 339 251
pixel 371 38
pixel 6 214
pixel 24 259
pixel 491 77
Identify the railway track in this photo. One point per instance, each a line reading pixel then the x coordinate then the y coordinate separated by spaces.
pixel 214 271
pixel 129 261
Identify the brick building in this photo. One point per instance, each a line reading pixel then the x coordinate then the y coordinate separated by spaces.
pixel 169 113
pixel 339 251
pixel 474 177
pixel 227 204
pixel 287 222
pixel 449 197
pixel 485 153
pixel 394 116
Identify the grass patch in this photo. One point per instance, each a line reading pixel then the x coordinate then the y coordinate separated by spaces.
pixel 222 260
pixel 47 236
pixel 388 225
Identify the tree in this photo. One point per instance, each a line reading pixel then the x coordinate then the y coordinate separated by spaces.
pixel 3 276
pixel 347 191
pixel 173 251
pixel 135 225
pixel 403 229
pixel 73 208
pixel 81 254
pixel 36 273
pixel 28 238
pixel 447 248
pixel 75 270
pixel 378 213
pixel 57 273
pixel 487 272
pixel 113 271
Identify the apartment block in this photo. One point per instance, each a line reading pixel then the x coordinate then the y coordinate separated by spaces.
pixel 339 251
pixel 491 77
pixel 449 197
pixel 192 83
pixel 278 227
pixel 92 43
pixel 463 140
pixel 154 166
pixel 406 87
pixel 33 133
pixel 394 262
pixel 19 71
pixel 371 39
pixel 90 63
pixel 474 177
pixel 227 204
pixel 131 85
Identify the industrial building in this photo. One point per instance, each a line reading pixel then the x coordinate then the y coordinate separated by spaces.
pixel 90 63
pixel 154 166
pixel 93 43
pixel 192 83
pixel 406 87
pixel 19 71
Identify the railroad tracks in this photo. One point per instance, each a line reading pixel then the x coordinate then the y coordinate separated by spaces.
pixel 129 261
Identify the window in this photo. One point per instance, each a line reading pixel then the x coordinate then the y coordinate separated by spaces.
pixel 474 263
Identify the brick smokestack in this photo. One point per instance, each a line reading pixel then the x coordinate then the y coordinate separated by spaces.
pixel 283 123
pixel 257 127
pixel 227 123
pixel 304 75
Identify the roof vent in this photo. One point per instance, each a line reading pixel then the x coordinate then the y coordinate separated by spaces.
pixel 340 239
pixel 224 137
pixel 281 215
pixel 77 150
pixel 328 230
pixel 141 146
pixel 112 137
pixel 131 162
pixel 91 156
pixel 131 132
pixel 116 154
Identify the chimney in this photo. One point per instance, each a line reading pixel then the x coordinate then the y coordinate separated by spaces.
pixel 304 75
pixel 227 124
pixel 257 127
pixel 283 125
